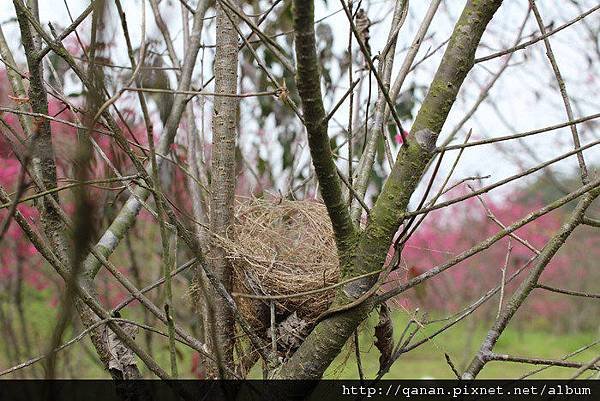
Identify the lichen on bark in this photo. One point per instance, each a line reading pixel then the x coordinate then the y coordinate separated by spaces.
pixel 368 255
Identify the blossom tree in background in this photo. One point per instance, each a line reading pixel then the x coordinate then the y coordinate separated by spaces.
pixel 132 132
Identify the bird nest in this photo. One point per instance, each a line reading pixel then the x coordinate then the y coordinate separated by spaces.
pixel 282 248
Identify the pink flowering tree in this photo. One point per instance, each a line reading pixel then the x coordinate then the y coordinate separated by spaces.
pixel 129 132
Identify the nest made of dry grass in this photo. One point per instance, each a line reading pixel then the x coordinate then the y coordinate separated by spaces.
pixel 282 247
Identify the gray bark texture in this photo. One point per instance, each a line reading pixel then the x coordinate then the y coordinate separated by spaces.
pixel 224 122
pixel 368 253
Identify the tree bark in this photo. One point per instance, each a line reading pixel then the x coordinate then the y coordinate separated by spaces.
pixel 129 212
pixel 224 124
pixel 44 174
pixel 528 285
pixel 325 342
pixel 309 88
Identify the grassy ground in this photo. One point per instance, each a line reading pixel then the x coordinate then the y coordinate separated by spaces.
pixel 460 343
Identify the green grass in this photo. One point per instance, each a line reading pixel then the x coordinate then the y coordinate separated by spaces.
pixel 460 343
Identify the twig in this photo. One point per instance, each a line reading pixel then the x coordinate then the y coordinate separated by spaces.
pixel 568 292
pixel 535 40
pixel 586 366
pixel 452 367
pixel 305 293
pixel 203 93
pixel 67 186
pixel 379 80
pixel 493 217
pixel 563 92
pixel 591 222
pixel 355 194
pixel 539 361
pixel 503 181
pixel 521 294
pixel 520 135
pixel 359 366
pixel 503 279
pixel 335 108
pixel 493 239
pixel 569 355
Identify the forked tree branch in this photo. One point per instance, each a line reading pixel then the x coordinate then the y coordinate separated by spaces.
pixel 529 284
pixel 563 91
pixel 326 340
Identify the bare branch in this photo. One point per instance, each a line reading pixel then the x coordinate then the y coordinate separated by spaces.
pixel 309 88
pixel 389 209
pixel 528 284
pixel 567 292
pixel 539 361
pixel 535 40
pixel 563 92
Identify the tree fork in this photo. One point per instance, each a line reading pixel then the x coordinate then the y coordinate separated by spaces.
pixel 327 339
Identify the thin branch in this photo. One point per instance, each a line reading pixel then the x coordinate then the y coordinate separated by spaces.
pixel 493 239
pixel 152 286
pixel 387 214
pixel 83 294
pixel 68 30
pixel 372 136
pixel 268 42
pixel 539 361
pixel 563 92
pixel 567 356
pixel 126 217
pixel 373 70
pixel 521 134
pixel 503 278
pixel 67 186
pixel 309 88
pixel 493 217
pixel 408 63
pixel 568 292
pixel 361 373
pixel 591 222
pixel 535 40
pixel 521 294
pixel 590 365
pixel 503 181
pixel 458 317
pixel 355 195
pixel 204 93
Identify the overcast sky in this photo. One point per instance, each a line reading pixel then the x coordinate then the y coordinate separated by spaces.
pixel 526 95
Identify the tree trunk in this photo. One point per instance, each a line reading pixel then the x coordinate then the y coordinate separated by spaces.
pixel 224 124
